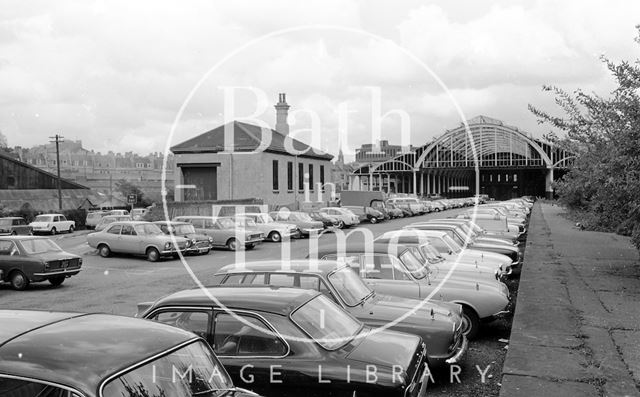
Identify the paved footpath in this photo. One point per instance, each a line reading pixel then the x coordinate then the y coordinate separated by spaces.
pixel 576 330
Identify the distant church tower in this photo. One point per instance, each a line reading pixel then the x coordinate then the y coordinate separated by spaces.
pixel 340 160
pixel 282 111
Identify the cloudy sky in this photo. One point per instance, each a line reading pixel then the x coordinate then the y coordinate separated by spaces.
pixel 121 75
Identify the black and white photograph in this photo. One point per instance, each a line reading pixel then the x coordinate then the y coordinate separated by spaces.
pixel 336 198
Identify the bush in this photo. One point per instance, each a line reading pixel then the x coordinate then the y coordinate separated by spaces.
pixel 79 216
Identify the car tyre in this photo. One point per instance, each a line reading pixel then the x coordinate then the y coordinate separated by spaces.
pixel 470 322
pixel 19 281
pixel 153 255
pixel 71 229
pixel 57 281
pixel 104 250
pixel 53 231
pixel 250 246
pixel 373 220
pixel 232 244
pixel 275 237
pixel 341 225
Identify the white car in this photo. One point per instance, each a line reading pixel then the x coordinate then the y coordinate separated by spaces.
pixel 52 224
pixel 345 217
pixel 273 231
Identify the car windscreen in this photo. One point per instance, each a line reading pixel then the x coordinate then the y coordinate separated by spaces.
pixel 148 230
pixel 430 253
pixel 43 218
pixel 326 323
pixel 244 222
pixel 413 264
pixel 39 246
pixel 300 216
pixel 455 247
pixel 184 229
pixel 350 287
pixel 190 371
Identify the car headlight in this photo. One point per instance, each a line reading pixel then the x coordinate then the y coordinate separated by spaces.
pixel 168 246
pixel 210 240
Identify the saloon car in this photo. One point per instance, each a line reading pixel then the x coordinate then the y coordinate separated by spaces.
pixel 395 270
pixel 272 230
pixel 306 225
pixel 55 354
pixel 345 217
pixel 439 324
pixel 300 338
pixel 200 244
pixel 106 220
pixel 225 232
pixel 14 225
pixel 52 224
pixel 137 238
pixel 28 259
pixel 329 222
pixel 366 214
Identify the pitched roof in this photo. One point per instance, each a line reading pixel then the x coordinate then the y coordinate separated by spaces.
pixel 247 138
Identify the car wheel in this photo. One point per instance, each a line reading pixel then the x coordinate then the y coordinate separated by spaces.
pixel 57 281
pixel 104 250
pixel 53 231
pixel 341 225
pixel 275 237
pixel 232 244
pixel 373 220
pixel 153 255
pixel 13 233
pixel 470 322
pixel 19 281
pixel 70 229
pixel 250 246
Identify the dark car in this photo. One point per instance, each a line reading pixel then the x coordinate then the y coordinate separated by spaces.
pixel 296 342
pixel 14 225
pixel 329 222
pixel 306 225
pixel 366 213
pixel 438 324
pixel 200 243
pixel 28 259
pixel 53 354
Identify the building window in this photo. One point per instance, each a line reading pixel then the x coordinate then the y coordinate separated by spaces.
pixel 322 176
pixel 300 176
pixel 311 176
pixel 289 176
pixel 275 175
pixel 515 177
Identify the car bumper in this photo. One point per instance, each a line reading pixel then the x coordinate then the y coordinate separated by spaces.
pixel 459 352
pixel 61 272
pixel 254 241
pixel 307 232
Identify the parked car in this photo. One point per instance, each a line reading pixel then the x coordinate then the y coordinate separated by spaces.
pixel 272 230
pixel 137 214
pixel 14 225
pixel 366 214
pixel 395 270
pixel 301 220
pixel 329 222
pixel 55 354
pixel 345 217
pixel 118 212
pixel 394 211
pixel 92 219
pixel 438 324
pixel 225 231
pixel 301 333
pixel 52 224
pixel 106 220
pixel 448 248
pixel 200 244
pixel 412 206
pixel 28 259
pixel 136 238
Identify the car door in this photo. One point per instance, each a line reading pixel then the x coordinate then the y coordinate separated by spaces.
pixel 11 258
pixel 386 275
pixel 246 351
pixel 130 241
pixel 112 238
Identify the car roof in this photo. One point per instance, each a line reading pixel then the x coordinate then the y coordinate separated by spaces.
pixel 170 223
pixel 437 233
pixel 21 238
pixel 49 214
pixel 292 266
pixel 134 223
pixel 79 350
pixel 277 300
pixel 357 248
pixel 410 233
pixel 11 217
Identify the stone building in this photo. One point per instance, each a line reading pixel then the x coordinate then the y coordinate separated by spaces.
pixel 254 162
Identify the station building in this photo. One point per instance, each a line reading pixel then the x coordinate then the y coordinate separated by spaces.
pixel 488 157
pixel 254 162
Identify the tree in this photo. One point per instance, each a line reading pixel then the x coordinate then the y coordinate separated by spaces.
pixel 604 134
pixel 3 140
pixel 126 188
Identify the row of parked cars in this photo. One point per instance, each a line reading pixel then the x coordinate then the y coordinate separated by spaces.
pixel 356 320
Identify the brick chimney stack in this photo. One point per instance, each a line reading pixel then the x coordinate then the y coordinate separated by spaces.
pixel 282 112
